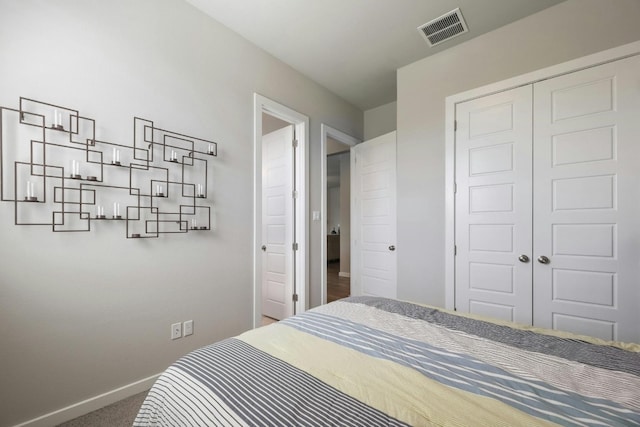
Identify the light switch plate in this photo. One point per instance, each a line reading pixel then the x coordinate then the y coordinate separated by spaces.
pixel 187 327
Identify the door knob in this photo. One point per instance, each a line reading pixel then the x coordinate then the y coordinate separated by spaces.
pixel 523 258
pixel 392 248
pixel 543 259
pixel 264 248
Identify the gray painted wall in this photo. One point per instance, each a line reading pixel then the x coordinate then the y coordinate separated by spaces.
pixel 567 31
pixel 345 213
pixel 380 120
pixel 85 313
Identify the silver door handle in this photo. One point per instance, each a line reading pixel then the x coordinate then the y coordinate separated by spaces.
pixel 264 248
pixel 543 259
pixel 392 248
pixel 523 258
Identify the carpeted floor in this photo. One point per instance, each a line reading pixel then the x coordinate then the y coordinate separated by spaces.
pixel 119 414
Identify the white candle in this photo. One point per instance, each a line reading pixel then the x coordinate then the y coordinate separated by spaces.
pixel 114 154
pixel 60 119
pixel 117 155
pixel 193 223
pixel 210 148
pixel 115 211
pixel 55 117
pixel 28 189
pixel 118 209
pixel 33 192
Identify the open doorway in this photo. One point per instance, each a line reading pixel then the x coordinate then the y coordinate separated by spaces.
pixel 336 216
pixel 280 228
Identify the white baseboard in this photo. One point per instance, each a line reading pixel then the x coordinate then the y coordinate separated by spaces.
pixel 82 408
pixel 343 274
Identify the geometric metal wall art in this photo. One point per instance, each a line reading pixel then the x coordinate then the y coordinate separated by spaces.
pixel 58 174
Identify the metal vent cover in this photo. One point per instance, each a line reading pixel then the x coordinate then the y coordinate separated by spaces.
pixel 446 27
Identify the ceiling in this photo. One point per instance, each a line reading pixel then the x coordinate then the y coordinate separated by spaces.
pixel 354 47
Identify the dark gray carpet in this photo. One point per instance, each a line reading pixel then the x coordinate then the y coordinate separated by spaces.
pixel 119 414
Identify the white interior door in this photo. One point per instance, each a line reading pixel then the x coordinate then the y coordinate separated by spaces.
pixel 373 217
pixel 277 223
pixel 493 213
pixel 587 162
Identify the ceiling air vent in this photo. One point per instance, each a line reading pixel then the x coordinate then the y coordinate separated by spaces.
pixel 443 28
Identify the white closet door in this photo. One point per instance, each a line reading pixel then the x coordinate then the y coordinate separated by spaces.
pixel 587 202
pixel 493 205
pixel 277 224
pixel 373 217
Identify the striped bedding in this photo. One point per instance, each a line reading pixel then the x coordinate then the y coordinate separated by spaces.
pixel 366 361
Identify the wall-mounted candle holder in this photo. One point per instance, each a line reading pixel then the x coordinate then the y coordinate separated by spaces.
pixel 75 170
pixel 31 194
pixel 57 121
pixel 70 200
pixel 100 212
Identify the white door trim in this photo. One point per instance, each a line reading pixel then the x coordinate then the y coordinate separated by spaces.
pixel 327 131
pixel 301 125
pixel 589 61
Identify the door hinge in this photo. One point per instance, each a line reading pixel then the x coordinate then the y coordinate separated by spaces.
pixel 295 298
pixel 294 194
pixel 295 143
pixel 295 246
pixel 455 187
pixel 455 125
pixel 455 249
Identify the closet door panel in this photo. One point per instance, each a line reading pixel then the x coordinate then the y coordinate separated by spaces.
pixel 587 202
pixel 493 205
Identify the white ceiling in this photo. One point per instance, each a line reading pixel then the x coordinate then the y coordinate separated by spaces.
pixel 354 47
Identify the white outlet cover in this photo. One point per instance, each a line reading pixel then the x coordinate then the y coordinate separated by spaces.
pixel 188 327
pixel 176 331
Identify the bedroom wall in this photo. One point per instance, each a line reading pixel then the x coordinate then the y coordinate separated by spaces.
pixel 345 214
pixel 567 31
pixel 82 314
pixel 333 208
pixel 380 120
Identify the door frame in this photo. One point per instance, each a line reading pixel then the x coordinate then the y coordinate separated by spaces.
pixel 327 131
pixel 300 123
pixel 593 60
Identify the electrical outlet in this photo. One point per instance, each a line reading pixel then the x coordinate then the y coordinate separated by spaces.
pixel 187 327
pixel 176 331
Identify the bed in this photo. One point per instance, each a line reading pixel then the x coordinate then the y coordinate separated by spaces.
pixel 367 361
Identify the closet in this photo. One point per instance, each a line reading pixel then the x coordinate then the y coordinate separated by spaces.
pixel 547 202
